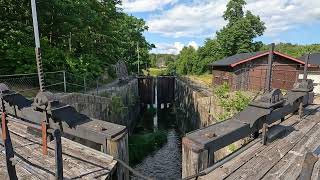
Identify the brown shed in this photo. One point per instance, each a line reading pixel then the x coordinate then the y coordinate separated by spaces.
pixel 247 71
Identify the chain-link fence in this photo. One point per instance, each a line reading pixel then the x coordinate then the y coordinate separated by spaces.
pixel 59 81
pixel 255 79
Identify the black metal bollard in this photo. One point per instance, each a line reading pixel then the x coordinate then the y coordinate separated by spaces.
pixel 58 154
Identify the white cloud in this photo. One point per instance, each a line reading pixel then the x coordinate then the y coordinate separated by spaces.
pixel 283 15
pixel 145 5
pixel 175 48
pixel 202 18
pixel 166 48
pixel 193 44
pixel 196 19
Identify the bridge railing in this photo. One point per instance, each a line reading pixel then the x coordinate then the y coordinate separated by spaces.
pixel 57 81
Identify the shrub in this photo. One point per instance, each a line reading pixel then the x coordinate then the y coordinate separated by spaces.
pixel 231 102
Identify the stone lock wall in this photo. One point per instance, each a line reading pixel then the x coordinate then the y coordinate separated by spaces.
pixel 100 106
pixel 197 107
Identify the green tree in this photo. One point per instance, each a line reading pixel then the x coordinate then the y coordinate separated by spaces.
pixel 234 11
pixel 207 54
pixel 186 60
pixel 295 50
pixel 84 37
pixel 238 35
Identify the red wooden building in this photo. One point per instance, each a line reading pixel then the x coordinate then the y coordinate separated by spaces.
pixel 247 71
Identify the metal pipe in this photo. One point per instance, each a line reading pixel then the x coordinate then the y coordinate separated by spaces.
pixel 37 42
pixel 35 23
pixel 29 74
pixel 40 69
pixel 64 82
pixel 269 70
pixel 306 63
pixel 85 84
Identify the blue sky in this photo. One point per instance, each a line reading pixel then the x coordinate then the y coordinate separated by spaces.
pixel 177 23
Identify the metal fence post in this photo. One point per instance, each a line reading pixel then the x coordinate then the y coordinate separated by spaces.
pixel 85 84
pixel 97 86
pixel 64 82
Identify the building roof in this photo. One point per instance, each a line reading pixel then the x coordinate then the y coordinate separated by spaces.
pixel 314 58
pixel 237 59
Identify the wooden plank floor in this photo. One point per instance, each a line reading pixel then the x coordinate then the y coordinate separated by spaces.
pixel 281 159
pixel 79 162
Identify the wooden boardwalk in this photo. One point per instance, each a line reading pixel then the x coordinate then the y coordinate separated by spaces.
pixel 281 159
pixel 79 162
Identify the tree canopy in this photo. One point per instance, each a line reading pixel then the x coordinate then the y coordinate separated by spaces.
pixel 81 36
pixel 236 37
pixel 295 50
pixel 239 34
pixel 234 11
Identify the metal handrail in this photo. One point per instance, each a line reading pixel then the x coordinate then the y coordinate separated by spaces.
pixel 28 74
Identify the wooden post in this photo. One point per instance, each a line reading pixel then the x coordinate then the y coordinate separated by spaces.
pixel 305 69
pixel 118 148
pixel 44 138
pixel 269 70
pixel 194 158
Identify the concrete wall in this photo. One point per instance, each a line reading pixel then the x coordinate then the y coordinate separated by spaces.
pixel 100 106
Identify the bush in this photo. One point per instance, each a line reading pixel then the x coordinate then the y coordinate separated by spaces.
pixel 116 105
pixel 231 102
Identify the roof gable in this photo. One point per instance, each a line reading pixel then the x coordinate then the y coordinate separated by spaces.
pixel 237 59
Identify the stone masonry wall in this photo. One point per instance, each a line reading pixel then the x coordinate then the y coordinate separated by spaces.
pixel 100 106
pixel 197 108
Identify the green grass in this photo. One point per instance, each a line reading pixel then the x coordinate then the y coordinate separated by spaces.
pixel 155 71
pixel 204 78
